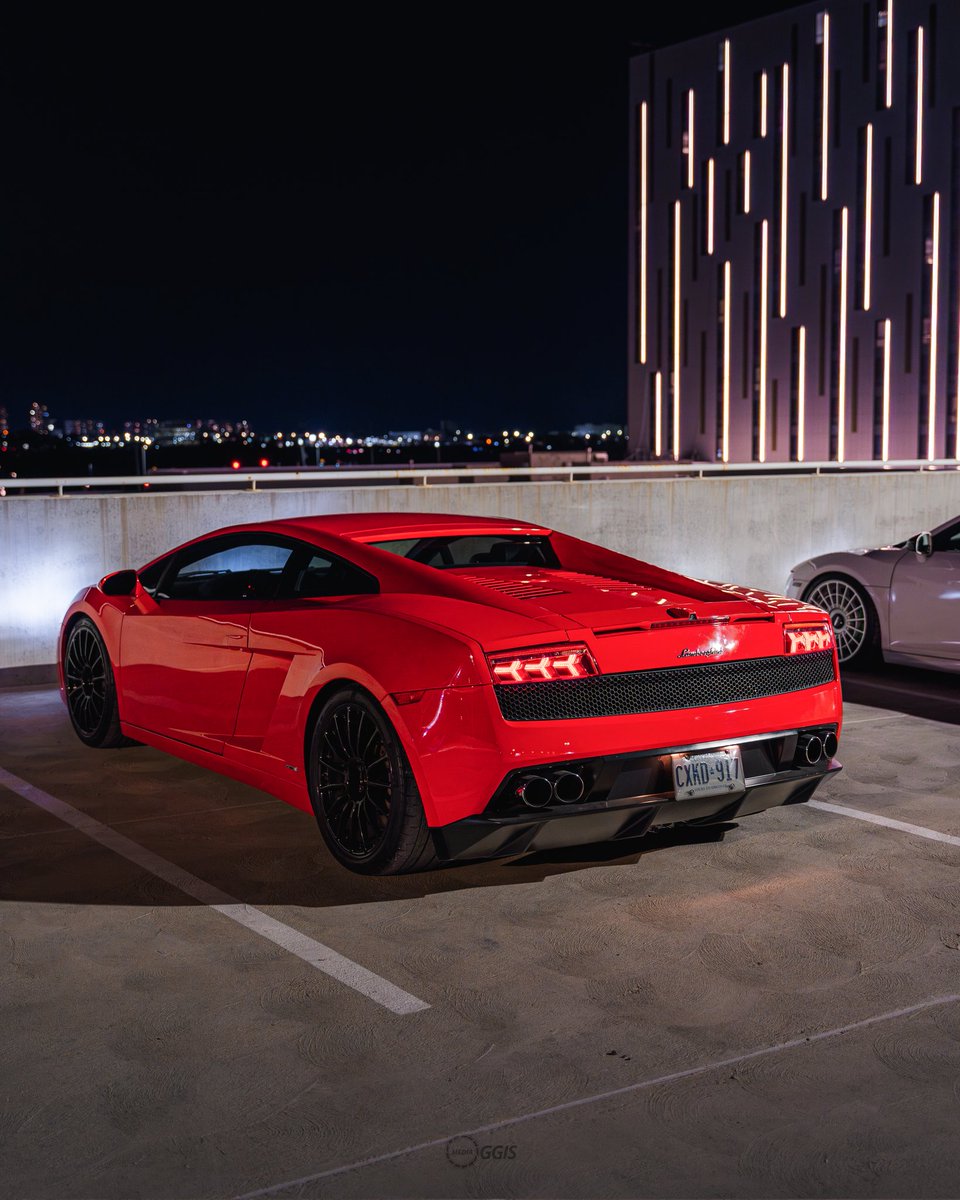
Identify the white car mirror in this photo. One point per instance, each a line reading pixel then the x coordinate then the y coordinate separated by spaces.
pixel 924 545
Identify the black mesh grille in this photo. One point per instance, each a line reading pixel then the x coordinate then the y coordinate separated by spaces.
pixel 662 690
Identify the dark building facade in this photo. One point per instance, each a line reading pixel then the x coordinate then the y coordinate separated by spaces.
pixel 795 238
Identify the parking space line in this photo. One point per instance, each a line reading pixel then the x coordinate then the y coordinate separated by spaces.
pixel 599 1097
pixel 344 970
pixel 934 835
pixel 848 721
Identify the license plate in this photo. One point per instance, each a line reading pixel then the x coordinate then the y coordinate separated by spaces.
pixel 719 773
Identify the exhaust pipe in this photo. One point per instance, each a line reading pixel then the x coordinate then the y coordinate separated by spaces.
pixel 535 791
pixel 568 787
pixel 812 748
pixel 830 744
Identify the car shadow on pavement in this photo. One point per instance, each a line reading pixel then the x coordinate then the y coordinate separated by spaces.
pixel 278 862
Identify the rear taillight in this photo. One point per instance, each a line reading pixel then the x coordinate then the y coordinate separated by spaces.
pixel 534 666
pixel 803 639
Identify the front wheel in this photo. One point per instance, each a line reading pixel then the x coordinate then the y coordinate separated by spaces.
pixel 363 792
pixel 90 688
pixel 852 615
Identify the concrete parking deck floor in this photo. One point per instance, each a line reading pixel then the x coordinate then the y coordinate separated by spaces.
pixel 694 1015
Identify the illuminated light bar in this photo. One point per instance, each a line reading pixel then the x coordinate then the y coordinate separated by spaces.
pixel 842 363
pixel 643 231
pixel 726 92
pixel 808 639
pixel 725 385
pixel 710 204
pixel 746 181
pixel 763 104
pixel 918 132
pixel 868 219
pixel 825 106
pixel 784 180
pixel 658 413
pixel 934 322
pixel 542 665
pixel 801 391
pixel 691 120
pixel 888 98
pixel 885 428
pixel 764 304
pixel 676 330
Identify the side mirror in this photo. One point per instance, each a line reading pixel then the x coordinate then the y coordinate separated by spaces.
pixel 119 583
pixel 924 545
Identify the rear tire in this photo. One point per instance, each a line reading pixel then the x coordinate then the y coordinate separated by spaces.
pixel 91 690
pixel 856 626
pixel 362 789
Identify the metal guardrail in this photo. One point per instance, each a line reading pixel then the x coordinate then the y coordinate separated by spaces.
pixel 450 475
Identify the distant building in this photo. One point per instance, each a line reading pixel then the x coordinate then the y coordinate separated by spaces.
pixel 795 238
pixel 84 427
pixel 39 418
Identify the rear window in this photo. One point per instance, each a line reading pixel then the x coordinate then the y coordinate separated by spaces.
pixel 475 550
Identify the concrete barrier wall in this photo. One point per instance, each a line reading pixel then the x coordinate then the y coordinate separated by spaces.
pixel 746 529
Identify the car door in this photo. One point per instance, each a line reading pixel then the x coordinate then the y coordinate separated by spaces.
pixel 184 649
pixel 291 640
pixel 925 599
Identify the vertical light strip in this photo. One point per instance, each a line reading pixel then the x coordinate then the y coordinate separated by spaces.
pixel 784 181
pixel 825 106
pixel 746 181
pixel 710 205
pixel 842 356
pixel 658 414
pixel 726 91
pixel 934 330
pixel 885 429
pixel 676 329
pixel 691 121
pixel 868 219
pixel 918 131
pixel 764 305
pixel 763 104
pixel 801 392
pixel 889 93
pixel 725 384
pixel 643 232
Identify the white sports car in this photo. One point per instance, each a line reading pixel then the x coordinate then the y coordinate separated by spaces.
pixel 900 601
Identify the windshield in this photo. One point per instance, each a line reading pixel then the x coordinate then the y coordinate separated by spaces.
pixel 475 550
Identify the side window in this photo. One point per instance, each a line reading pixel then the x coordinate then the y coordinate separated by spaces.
pixel 150 578
pixel 236 570
pixel 948 539
pixel 324 575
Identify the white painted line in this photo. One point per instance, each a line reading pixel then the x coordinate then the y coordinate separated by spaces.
pixel 873 720
pixel 598 1097
pixel 934 835
pixel 315 953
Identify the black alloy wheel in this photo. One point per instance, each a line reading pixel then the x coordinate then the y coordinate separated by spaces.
pixel 363 792
pixel 90 688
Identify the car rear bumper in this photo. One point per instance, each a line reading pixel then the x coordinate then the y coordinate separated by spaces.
pixel 629 794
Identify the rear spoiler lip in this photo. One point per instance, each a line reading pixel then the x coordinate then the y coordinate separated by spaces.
pixel 646 626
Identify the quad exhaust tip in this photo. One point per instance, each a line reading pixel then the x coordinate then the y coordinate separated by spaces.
pixel 536 791
pixel 813 749
pixel 568 787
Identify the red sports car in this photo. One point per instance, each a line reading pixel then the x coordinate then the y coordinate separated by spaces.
pixel 447 687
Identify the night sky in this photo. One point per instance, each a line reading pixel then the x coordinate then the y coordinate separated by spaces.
pixel 367 223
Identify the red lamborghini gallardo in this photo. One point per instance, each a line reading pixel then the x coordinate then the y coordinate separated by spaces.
pixel 446 687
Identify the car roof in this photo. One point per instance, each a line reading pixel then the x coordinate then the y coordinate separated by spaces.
pixel 366 527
